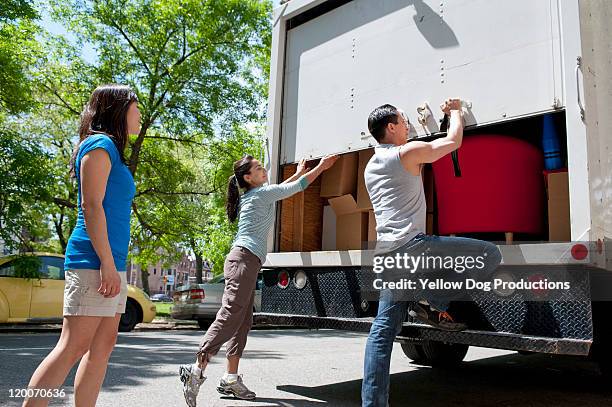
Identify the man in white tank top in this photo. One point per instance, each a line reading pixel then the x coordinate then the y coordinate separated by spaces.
pixel 393 181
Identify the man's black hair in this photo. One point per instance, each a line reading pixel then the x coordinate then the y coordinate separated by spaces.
pixel 379 119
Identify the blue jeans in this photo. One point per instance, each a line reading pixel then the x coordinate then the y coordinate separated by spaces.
pixel 392 313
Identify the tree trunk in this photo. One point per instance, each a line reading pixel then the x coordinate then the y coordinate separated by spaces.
pixel 59 230
pixel 144 275
pixel 136 147
pixel 199 263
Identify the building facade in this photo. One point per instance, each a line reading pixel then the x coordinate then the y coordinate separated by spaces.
pixel 164 279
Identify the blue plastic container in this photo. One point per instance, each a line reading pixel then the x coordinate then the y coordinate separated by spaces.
pixel 550 144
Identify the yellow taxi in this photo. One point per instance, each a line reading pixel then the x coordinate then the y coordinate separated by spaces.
pixel 40 300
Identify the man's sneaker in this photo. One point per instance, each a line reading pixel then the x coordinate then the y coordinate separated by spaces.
pixel 437 319
pixel 236 389
pixel 191 384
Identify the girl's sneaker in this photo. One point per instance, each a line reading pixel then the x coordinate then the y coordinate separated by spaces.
pixel 191 384
pixel 236 389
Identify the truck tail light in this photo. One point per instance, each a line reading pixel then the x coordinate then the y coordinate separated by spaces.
pixel 283 279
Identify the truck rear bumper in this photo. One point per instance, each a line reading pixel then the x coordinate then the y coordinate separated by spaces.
pixel 416 333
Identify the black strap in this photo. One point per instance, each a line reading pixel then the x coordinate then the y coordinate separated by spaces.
pixel 454 154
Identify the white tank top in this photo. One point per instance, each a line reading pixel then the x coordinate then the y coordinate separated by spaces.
pixel 397 197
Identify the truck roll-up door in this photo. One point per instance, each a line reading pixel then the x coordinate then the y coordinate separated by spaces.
pixel 503 56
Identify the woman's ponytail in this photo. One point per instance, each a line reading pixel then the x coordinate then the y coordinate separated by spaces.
pixel 233 198
pixel 235 183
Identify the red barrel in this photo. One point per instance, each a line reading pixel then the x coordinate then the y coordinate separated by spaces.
pixel 500 189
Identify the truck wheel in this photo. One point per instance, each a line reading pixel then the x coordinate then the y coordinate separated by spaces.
pixel 414 352
pixel 601 349
pixel 204 323
pixel 435 354
pixel 129 318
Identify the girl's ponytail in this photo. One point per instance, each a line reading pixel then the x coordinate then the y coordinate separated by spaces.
pixel 235 183
pixel 233 198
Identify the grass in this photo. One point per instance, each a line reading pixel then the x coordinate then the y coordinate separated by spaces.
pixel 163 309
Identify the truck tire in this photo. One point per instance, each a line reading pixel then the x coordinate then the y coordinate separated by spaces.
pixel 130 318
pixel 414 352
pixel 204 323
pixel 603 358
pixel 601 349
pixel 435 354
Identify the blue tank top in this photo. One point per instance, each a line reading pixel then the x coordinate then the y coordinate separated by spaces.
pixel 120 190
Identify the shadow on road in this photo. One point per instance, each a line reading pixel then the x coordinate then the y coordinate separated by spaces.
pixel 511 380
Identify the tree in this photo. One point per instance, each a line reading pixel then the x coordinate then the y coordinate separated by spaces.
pixel 198 68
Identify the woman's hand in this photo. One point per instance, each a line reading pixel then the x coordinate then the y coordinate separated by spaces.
pixel 111 281
pixel 328 161
pixel 301 167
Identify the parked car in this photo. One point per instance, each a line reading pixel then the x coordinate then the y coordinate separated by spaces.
pixel 201 302
pixel 161 298
pixel 40 300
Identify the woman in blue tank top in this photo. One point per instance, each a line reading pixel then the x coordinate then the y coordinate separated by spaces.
pixel 96 288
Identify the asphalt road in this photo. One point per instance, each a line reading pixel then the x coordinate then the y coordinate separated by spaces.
pixel 313 368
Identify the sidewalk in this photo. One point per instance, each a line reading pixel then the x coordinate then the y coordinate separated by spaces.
pixel 158 324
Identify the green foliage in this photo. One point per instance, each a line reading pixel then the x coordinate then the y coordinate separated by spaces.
pixel 17 52
pixel 14 9
pixel 24 188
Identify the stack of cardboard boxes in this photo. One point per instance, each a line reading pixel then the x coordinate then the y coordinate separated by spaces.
pixel 344 186
pixel 335 212
pixel 301 217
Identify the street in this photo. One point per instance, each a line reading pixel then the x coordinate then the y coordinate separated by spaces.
pixel 310 368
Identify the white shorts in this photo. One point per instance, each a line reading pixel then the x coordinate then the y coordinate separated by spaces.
pixel 81 296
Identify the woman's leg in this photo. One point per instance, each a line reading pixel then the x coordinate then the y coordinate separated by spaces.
pixel 74 342
pixel 231 383
pixel 240 271
pixel 228 321
pixel 92 369
pixel 235 346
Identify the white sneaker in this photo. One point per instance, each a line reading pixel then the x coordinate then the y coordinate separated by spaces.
pixel 236 389
pixel 191 384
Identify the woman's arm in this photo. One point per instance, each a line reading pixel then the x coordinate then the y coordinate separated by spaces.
pixel 325 164
pixel 272 193
pixel 301 169
pixel 94 171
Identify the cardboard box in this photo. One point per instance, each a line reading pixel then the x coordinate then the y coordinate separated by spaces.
pixel 328 238
pixel 301 217
pixel 341 178
pixel 558 207
pixel 371 227
pixel 428 187
pixel 429 225
pixel 351 223
pixel 363 199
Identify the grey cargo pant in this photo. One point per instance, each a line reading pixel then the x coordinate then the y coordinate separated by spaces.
pixel 235 318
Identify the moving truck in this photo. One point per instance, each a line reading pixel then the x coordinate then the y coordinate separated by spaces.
pixel 529 72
